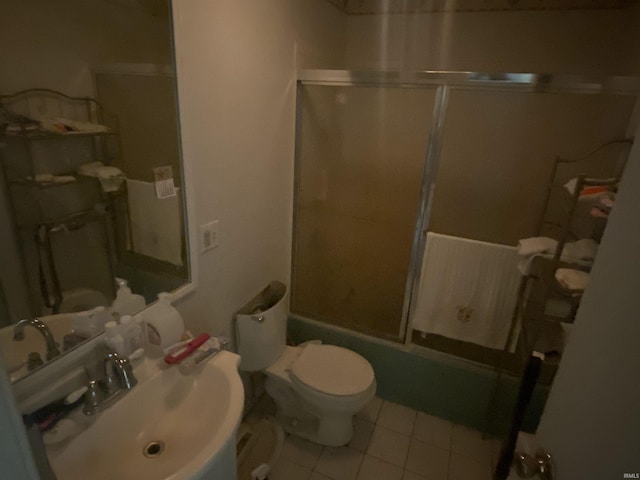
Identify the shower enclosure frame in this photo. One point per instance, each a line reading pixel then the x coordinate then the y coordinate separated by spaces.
pixel 444 82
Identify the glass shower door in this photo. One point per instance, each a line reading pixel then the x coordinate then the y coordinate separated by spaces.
pixel 360 160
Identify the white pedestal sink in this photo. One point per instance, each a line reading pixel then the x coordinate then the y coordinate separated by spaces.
pixel 15 353
pixel 170 426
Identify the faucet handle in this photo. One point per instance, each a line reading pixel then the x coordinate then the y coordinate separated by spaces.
pixel 225 343
pixel 92 398
pixel 127 378
pixel 53 351
pixel 121 369
pixel 545 465
pixel 110 383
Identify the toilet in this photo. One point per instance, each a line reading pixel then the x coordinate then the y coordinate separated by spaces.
pixel 317 388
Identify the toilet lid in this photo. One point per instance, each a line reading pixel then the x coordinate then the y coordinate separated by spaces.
pixel 333 370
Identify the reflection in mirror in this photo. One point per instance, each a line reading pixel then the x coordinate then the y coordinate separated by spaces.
pixel 91 194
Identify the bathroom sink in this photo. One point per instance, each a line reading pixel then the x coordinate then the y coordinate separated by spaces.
pixel 15 353
pixel 171 426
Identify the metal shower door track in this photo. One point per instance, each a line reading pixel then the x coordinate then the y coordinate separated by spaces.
pixel 523 82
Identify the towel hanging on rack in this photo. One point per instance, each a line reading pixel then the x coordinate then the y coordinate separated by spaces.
pixel 468 290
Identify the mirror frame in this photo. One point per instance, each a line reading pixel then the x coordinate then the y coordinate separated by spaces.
pixel 188 179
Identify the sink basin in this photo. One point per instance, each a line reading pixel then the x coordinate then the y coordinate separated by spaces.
pixel 15 353
pixel 170 426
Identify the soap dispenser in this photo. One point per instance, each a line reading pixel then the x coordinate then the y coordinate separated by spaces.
pixel 114 340
pixel 132 333
pixel 126 302
pixel 163 324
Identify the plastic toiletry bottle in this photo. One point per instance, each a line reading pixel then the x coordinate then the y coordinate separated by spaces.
pixel 114 340
pixel 83 325
pixel 132 333
pixel 163 324
pixel 100 316
pixel 126 302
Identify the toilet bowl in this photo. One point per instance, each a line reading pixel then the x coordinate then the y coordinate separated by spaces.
pixel 317 388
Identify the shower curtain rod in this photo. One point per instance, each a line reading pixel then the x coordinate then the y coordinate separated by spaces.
pixel 528 82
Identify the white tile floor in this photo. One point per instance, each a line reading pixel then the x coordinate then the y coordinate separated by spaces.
pixel 393 442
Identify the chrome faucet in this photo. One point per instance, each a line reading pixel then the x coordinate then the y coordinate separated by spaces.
pixel 545 465
pixel 118 380
pixel 121 371
pixel 18 335
pixel 540 466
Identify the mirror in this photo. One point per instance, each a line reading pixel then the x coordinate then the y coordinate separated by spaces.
pixel 91 190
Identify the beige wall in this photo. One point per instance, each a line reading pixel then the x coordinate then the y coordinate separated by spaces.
pixel 146 106
pixel 54 44
pixel 236 81
pixel 498 153
pixel 499 147
pixel 591 41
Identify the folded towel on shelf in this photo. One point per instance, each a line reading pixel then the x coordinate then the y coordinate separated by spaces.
pixel 533 245
pixel 587 193
pixel 607 200
pixel 581 252
pixel 48 178
pixel 111 178
pixel 572 279
pixel 598 213
pixel 69 126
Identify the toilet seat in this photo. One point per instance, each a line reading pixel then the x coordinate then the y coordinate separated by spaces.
pixel 318 389
pixel 332 370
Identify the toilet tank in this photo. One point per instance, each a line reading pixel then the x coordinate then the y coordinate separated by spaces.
pixel 261 328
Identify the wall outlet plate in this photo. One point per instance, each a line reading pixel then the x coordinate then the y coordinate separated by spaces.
pixel 209 233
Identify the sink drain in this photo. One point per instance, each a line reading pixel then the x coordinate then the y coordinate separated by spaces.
pixel 153 449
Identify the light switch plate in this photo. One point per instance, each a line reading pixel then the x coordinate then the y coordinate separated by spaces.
pixel 209 233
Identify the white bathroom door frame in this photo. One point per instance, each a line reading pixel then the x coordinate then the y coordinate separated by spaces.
pixel 16 460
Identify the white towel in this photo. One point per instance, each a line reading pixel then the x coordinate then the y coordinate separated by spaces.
pixel 468 290
pixel 589 193
pixel 68 126
pixel 533 245
pixel 581 252
pixel 111 178
pixel 572 279
pixel 156 224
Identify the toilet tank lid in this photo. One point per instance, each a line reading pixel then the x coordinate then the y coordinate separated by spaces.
pixel 333 370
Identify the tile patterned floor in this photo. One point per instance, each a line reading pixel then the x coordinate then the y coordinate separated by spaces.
pixel 393 442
